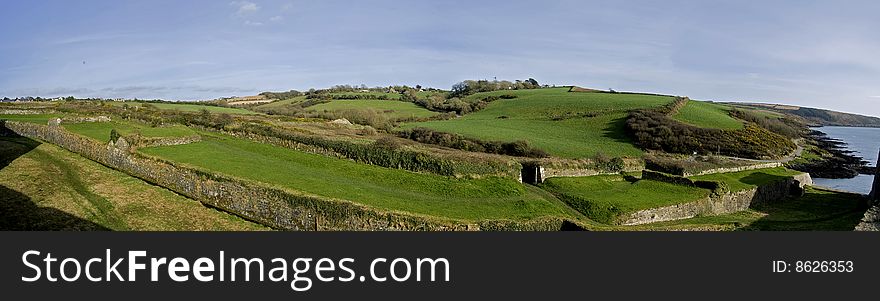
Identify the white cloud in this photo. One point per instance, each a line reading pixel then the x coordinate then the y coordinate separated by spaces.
pixel 252 23
pixel 245 7
pixel 287 7
pixel 875 96
pixel 276 19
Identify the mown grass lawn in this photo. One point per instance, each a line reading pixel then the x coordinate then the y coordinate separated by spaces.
pixel 31 118
pixel 738 181
pixel 390 108
pixel 530 116
pixel 708 115
pixel 384 188
pixel 101 130
pixel 606 198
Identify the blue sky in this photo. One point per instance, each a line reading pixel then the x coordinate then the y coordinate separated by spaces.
pixel 814 53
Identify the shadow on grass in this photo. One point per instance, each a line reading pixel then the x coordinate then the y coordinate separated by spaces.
pixel 13 146
pixel 19 213
pixel 616 130
pixel 817 210
pixel 760 178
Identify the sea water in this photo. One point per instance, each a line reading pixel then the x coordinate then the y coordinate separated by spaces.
pixel 865 142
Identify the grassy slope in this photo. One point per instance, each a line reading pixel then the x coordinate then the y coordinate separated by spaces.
pixel 529 118
pixel 101 130
pixel 817 210
pixel 385 188
pixel 391 108
pixel 602 198
pixel 282 103
pixel 708 115
pixel 32 118
pixel 45 187
pixel 189 107
pixel 738 181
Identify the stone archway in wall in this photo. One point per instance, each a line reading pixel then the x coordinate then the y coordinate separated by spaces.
pixel 532 173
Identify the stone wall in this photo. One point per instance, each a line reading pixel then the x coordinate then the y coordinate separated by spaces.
pixel 271 206
pixel 137 141
pixel 723 202
pixel 734 169
pixel 76 119
pixel 551 168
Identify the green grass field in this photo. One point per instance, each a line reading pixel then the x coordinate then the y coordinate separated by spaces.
pixel 743 180
pixel 530 117
pixel 185 107
pixel 32 118
pixel 101 130
pixel 390 108
pixel 383 188
pixel 605 198
pixel 708 115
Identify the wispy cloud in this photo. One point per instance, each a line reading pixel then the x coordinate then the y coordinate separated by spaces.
pixel 245 7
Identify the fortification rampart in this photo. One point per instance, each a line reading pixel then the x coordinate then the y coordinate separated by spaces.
pixel 275 207
pixel 720 201
pixel 734 169
pixel 539 171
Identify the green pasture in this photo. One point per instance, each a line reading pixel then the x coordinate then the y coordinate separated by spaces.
pixel 565 124
pixel 744 180
pixel 384 188
pixel 605 198
pixel 708 115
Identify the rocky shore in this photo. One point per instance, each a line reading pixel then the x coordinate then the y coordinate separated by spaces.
pixel 842 164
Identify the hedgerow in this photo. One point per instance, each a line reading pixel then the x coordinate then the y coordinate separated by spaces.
pixel 654 129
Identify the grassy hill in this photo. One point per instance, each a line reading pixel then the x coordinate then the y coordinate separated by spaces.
pixel 565 124
pixel 708 115
pixel 390 108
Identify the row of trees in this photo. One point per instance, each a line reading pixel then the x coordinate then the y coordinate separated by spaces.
pixel 469 87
